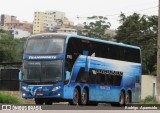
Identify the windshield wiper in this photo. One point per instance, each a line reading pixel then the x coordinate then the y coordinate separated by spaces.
pixel 47 81
pixel 31 81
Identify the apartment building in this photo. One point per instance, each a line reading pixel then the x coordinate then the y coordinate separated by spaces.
pixel 38 23
pixel 44 21
pixel 25 26
pixel 67 30
pixel 8 19
pixel 67 22
pixel 18 29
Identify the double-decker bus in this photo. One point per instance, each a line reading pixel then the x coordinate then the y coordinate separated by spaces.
pixel 80 70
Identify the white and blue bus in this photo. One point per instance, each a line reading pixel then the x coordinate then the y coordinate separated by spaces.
pixel 80 70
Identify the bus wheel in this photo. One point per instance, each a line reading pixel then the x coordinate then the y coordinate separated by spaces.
pixel 39 101
pixel 122 99
pixel 84 97
pixel 92 104
pixel 128 98
pixel 48 102
pixel 75 99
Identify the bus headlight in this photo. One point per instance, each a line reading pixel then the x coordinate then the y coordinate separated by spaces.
pixel 56 88
pixel 25 88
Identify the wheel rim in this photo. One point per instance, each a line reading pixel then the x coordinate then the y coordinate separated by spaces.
pixel 127 99
pixel 122 99
pixel 76 96
pixel 84 97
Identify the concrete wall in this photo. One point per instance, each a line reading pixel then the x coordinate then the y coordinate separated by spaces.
pixel 148 86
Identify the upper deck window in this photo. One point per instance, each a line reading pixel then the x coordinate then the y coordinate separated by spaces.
pixel 45 46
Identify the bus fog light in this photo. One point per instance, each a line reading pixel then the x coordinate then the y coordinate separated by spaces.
pixel 23 94
pixel 58 94
pixel 56 88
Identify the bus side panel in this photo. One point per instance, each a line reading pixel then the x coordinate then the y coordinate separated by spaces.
pixel 101 92
pixel 130 82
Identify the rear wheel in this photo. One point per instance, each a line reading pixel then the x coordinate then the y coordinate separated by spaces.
pixel 128 98
pixel 75 99
pixel 92 104
pixel 122 99
pixel 84 97
pixel 39 101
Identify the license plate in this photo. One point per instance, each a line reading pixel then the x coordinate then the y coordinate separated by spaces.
pixel 39 94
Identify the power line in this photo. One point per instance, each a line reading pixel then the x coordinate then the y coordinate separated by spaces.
pixel 135 11
pixel 125 12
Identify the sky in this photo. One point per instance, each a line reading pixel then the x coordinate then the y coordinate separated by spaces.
pixel 24 9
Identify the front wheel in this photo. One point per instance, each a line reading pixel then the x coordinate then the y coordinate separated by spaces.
pixel 48 102
pixel 39 101
pixel 75 99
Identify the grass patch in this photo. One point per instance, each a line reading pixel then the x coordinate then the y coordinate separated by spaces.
pixel 8 99
pixel 149 100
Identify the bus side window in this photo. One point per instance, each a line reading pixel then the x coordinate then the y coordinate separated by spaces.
pixel 93 76
pixel 100 79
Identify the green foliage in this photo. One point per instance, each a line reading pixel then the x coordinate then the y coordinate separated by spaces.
pixel 150 100
pixel 10 48
pixel 96 28
pixel 8 99
pixel 140 31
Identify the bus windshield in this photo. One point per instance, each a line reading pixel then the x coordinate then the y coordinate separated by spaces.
pixel 43 71
pixel 45 46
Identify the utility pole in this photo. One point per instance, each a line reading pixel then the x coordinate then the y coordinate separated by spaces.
pixel 158 56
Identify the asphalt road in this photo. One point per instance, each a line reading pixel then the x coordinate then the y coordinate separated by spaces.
pixel 65 108
pixel 62 106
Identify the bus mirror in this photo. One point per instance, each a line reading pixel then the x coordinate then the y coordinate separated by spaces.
pixel 21 75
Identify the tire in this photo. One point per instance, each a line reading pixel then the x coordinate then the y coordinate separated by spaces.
pixel 84 97
pixel 92 104
pixel 128 99
pixel 75 99
pixel 48 102
pixel 39 101
pixel 122 99
pixel 114 104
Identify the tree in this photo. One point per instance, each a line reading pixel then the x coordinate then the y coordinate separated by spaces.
pixel 140 31
pixel 97 28
pixel 10 48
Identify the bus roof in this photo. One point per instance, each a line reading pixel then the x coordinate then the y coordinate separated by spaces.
pixel 84 37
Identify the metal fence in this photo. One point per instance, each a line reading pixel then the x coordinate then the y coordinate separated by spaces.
pixel 9 76
pixel 9 79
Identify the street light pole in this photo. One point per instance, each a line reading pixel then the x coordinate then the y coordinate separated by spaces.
pixel 158 56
